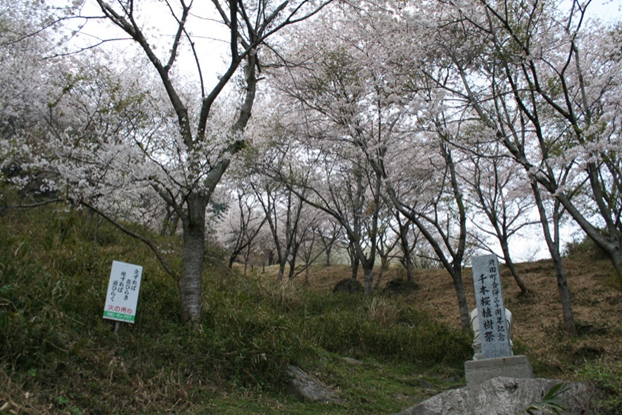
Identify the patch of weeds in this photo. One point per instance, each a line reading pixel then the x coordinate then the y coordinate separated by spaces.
pixel 375 387
pixel 607 377
pixel 56 348
pixel 546 368
pixel 614 281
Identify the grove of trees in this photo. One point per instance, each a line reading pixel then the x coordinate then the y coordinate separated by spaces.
pixel 419 132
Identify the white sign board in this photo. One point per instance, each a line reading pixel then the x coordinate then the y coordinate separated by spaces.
pixel 123 288
pixel 494 331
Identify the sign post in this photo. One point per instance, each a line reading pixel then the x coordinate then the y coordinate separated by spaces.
pixel 123 288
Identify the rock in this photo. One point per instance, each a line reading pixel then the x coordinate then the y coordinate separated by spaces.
pixel 503 396
pixel 425 384
pixel 450 379
pixel 308 388
pixel 352 361
pixel 399 287
pixel 348 286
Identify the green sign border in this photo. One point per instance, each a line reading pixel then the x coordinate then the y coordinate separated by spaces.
pixel 111 315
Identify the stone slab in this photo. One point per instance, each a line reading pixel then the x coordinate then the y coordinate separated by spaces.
pixel 479 371
pixel 504 396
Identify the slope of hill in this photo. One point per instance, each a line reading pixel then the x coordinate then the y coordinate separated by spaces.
pixel 538 329
pixel 58 356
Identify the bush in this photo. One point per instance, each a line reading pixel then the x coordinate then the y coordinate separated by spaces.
pixel 584 249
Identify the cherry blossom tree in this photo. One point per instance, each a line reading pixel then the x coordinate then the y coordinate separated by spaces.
pixel 361 107
pixel 240 225
pixel 554 75
pixel 520 69
pixel 499 193
pixel 283 211
pixel 329 232
pixel 152 134
pixel 432 198
pixel 333 90
pixel 30 79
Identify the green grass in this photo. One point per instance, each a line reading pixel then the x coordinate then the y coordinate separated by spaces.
pixel 607 376
pixel 57 354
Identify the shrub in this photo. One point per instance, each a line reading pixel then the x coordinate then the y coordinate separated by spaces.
pixel 584 249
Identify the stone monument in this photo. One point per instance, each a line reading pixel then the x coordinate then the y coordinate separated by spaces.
pixel 496 350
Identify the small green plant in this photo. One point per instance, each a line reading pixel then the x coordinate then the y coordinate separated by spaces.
pixel 608 379
pixel 549 401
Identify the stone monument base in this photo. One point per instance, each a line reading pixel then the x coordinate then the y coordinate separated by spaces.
pixel 479 371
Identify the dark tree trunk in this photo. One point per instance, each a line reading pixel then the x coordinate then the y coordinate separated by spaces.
pixel 328 250
pixel 408 264
pixel 354 259
pixel 406 259
pixel 465 319
pixel 510 264
pixel 193 254
pixel 368 272
pixel 564 294
pixel 553 246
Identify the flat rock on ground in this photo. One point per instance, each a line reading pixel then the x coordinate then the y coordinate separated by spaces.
pixel 504 396
pixel 307 388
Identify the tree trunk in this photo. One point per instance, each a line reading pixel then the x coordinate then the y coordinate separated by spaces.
pixel 354 260
pixel 293 254
pixel 193 253
pixel 553 245
pixel 355 268
pixel 406 260
pixel 291 273
pixel 368 272
pixel 279 277
pixel 616 259
pixel 465 318
pixel 409 266
pixel 510 264
pixel 410 269
pixel 328 249
pixel 564 294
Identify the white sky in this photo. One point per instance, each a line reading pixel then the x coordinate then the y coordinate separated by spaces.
pixel 211 36
pixel 608 10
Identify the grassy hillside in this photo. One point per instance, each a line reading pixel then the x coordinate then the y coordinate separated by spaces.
pixel 57 355
pixel 538 328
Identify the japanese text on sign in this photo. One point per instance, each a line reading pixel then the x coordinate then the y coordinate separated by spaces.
pixel 490 307
pixel 123 288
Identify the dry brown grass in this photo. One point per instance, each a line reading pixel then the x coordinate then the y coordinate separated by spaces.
pixel 538 329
